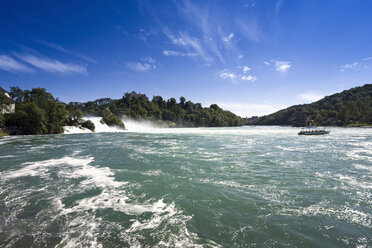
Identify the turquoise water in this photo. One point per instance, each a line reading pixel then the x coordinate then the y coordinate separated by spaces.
pixel 202 187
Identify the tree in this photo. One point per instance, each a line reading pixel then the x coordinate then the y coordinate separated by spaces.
pixel 182 101
pixel 29 119
pixel 37 112
pixel 88 124
pixel 2 120
pixel 343 115
pixel 16 93
pixel 76 115
pixel 111 120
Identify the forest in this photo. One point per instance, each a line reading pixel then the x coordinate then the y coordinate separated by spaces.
pixel 39 112
pixel 351 107
pixel 164 112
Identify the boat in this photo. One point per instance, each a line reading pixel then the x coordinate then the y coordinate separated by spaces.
pixel 313 131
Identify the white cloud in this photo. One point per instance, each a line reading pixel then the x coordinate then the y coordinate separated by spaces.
pixel 240 56
pixel 228 75
pixel 310 96
pixel 363 64
pixel 234 77
pixel 249 78
pixel 7 63
pixel 53 66
pixel 141 67
pixel 62 49
pixel 228 38
pixel 248 109
pixel 349 66
pixel 147 64
pixel 278 65
pixel 246 69
pixel 206 24
pixel 187 42
pixel 149 60
pixel 282 66
pixel 176 53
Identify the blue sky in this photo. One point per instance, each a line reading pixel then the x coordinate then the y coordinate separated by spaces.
pixel 249 56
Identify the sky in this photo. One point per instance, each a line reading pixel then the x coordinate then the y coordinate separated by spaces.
pixel 252 57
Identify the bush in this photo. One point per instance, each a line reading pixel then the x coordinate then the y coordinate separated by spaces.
pixel 88 124
pixel 112 120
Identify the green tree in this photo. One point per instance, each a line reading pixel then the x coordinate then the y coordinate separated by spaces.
pixel 2 120
pixel 112 120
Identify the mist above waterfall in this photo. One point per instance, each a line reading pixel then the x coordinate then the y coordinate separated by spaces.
pixel 138 126
pixel 130 125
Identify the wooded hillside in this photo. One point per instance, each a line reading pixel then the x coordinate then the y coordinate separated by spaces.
pixel 353 106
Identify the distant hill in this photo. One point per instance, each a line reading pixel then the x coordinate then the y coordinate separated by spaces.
pixel 350 107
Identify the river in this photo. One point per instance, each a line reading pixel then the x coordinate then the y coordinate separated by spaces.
pixel 187 187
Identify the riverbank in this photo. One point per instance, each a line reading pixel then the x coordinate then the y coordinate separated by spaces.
pixel 360 125
pixel 3 134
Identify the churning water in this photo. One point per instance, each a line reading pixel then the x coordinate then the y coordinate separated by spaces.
pixel 200 187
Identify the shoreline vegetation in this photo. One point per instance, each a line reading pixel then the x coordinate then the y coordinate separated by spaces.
pixel 350 108
pixel 39 112
pixel 3 134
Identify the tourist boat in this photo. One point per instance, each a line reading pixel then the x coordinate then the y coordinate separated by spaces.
pixel 313 131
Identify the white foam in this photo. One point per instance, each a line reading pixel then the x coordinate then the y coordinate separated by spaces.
pixel 353 181
pixel 99 127
pixel 363 167
pixel 73 130
pixel 41 168
pixel 139 126
pixel 360 154
pixel 103 128
pixel 346 213
pixel 82 227
pixel 7 156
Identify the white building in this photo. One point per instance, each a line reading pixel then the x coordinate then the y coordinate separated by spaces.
pixel 7 108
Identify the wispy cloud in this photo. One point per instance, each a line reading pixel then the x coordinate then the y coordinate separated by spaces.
pixel 64 50
pixel 247 5
pixel 53 66
pixel 278 6
pixel 363 64
pixel 9 64
pixel 246 69
pixel 177 53
pixel 142 34
pixel 282 66
pixel 349 66
pixel 235 77
pixel 205 22
pixel 227 39
pixel 248 78
pixel 310 96
pixel 146 64
pixel 228 75
pixel 189 43
pixel 249 29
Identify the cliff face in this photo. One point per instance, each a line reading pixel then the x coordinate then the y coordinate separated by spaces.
pixel 353 106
